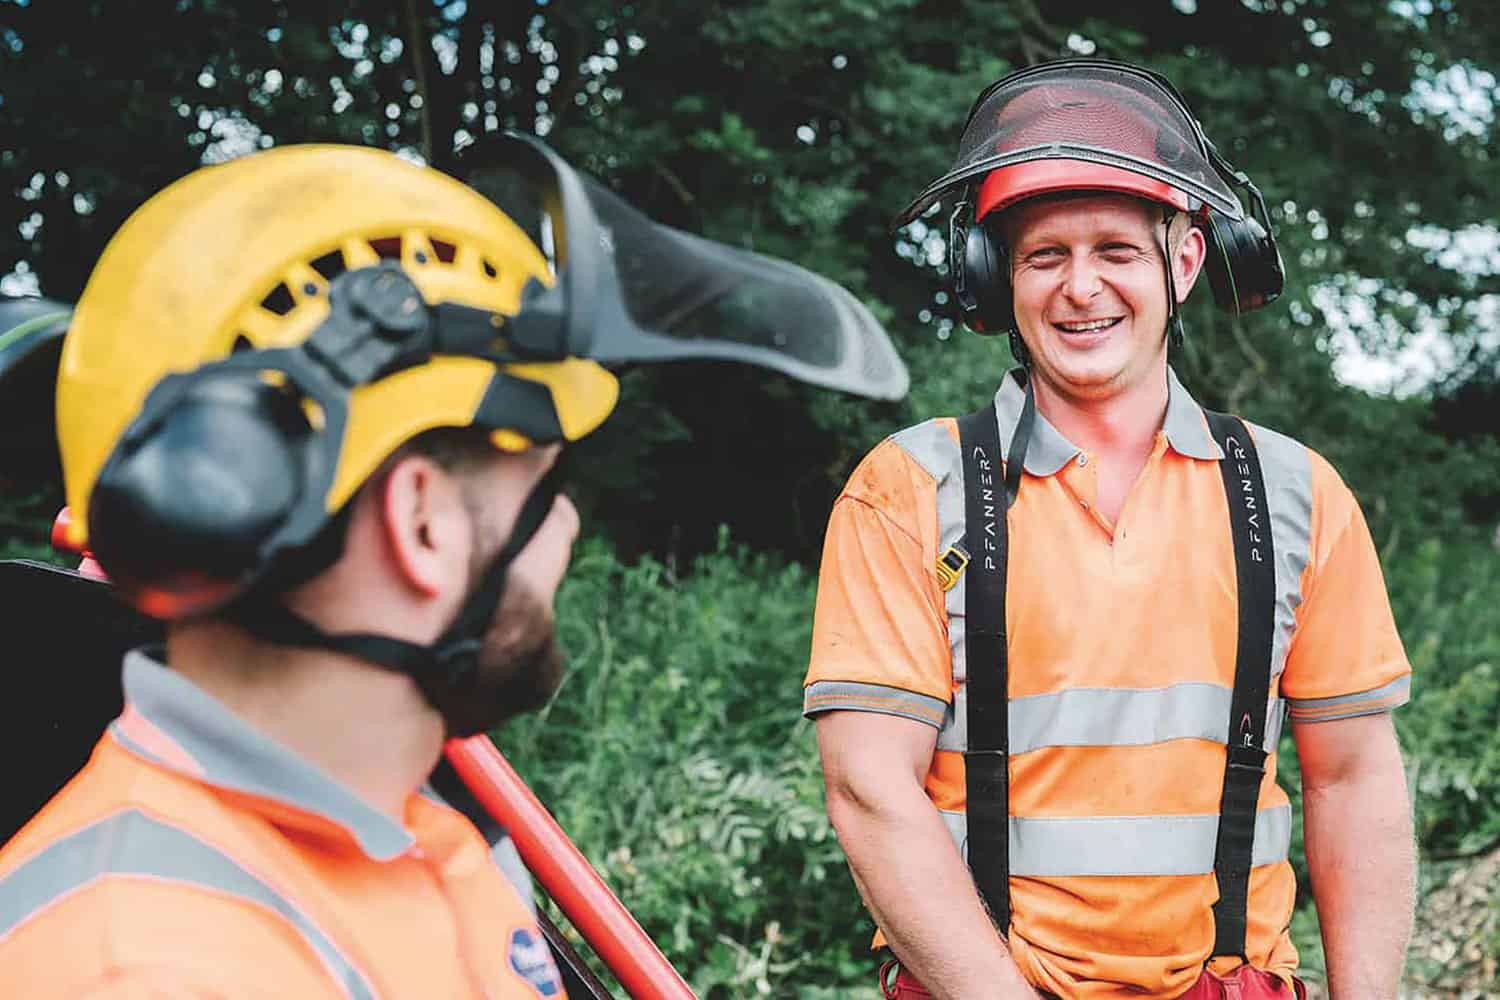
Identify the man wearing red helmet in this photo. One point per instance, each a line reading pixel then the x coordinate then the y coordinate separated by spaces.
pixel 1070 669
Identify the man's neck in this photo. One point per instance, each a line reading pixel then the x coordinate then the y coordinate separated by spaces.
pixel 368 728
pixel 1118 427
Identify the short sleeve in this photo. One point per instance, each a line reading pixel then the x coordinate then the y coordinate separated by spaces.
pixel 1346 657
pixel 879 636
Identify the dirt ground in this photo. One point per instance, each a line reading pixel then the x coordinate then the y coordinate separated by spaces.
pixel 1456 944
pixel 1455 949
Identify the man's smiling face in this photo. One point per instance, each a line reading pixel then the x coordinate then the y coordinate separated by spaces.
pixel 1090 289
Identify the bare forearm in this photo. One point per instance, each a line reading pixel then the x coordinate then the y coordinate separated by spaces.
pixel 921 893
pixel 1362 861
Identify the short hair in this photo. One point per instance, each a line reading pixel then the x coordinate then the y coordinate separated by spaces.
pixel 455 449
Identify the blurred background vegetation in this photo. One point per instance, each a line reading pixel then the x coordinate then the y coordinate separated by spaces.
pixel 675 754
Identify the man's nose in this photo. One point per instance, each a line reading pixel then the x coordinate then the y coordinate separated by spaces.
pixel 1082 282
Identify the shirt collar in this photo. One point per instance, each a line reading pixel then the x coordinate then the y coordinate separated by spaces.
pixel 177 725
pixel 1184 426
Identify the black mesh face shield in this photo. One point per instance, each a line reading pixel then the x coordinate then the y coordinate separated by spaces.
pixel 644 292
pixel 1097 112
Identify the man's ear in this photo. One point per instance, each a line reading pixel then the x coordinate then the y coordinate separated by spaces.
pixel 1187 261
pixel 422 519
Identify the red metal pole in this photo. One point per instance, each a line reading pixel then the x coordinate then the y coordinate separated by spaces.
pixel 566 874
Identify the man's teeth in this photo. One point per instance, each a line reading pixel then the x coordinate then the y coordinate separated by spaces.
pixel 1085 327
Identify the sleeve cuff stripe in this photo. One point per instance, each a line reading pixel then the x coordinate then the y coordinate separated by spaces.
pixel 826 696
pixel 1347 709
pixel 1397 690
pixel 1352 713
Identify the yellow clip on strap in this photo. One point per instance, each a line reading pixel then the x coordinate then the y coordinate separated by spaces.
pixel 951 565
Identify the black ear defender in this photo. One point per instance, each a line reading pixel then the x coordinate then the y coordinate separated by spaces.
pixel 979 271
pixel 226 470
pixel 1244 268
pixel 192 493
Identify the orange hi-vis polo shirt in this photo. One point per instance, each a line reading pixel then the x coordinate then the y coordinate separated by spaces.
pixel 1122 655
pixel 195 857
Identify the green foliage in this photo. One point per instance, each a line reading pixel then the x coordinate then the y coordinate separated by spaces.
pixel 26 511
pixel 1446 596
pixel 676 758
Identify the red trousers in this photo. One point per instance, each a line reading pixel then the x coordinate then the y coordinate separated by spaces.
pixel 1244 983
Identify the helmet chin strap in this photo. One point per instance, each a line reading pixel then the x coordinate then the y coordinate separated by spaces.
pixel 447 669
pixel 1175 333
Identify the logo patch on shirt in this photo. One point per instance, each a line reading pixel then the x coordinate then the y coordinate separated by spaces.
pixel 532 961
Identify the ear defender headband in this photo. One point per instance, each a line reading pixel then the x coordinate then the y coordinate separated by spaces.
pixel 1244 266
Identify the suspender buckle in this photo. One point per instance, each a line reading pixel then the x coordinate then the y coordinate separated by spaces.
pixel 951 565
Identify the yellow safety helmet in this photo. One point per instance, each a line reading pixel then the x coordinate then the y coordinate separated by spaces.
pixel 257 286
pixel 261 335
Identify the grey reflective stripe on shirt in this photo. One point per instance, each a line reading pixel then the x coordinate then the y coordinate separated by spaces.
pixel 1125 717
pixel 508 859
pixel 1286 467
pixel 132 844
pixel 933 448
pixel 1076 717
pixel 1126 845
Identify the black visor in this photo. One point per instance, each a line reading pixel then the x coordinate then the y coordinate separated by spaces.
pixel 638 291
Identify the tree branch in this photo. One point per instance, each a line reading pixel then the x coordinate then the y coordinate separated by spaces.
pixel 417 41
pixel 1031 12
pixel 674 182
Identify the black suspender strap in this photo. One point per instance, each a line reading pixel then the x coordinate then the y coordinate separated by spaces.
pixel 1254 564
pixel 988 493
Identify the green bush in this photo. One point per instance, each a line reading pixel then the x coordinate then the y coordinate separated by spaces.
pixel 1445 596
pixel 676 757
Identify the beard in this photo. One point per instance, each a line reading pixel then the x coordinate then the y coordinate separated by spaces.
pixel 516 666
pixel 520 664
pixel 516 669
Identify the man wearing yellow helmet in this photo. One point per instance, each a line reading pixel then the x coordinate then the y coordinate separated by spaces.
pixel 309 408
pixel 1056 639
